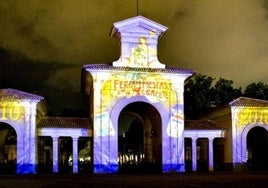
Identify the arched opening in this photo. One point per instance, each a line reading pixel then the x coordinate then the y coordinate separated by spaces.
pixel 140 139
pixel 257 149
pixel 8 146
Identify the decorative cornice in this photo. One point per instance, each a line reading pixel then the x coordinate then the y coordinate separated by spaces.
pixel 246 101
pixel 13 94
pixel 105 67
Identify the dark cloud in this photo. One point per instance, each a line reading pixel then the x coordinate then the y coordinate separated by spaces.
pixel 19 72
pixel 59 84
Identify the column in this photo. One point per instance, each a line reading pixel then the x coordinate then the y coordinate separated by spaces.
pixel 194 154
pixel 33 140
pixel 20 151
pixel 55 154
pixel 210 154
pixel 75 155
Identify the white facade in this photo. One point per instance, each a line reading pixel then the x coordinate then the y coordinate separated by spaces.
pixel 19 110
pixel 247 115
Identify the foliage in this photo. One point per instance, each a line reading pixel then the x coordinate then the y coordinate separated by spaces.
pixel 201 94
pixel 198 94
pixel 257 90
pixel 224 92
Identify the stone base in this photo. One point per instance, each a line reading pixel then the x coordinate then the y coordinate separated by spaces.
pixel 26 168
pixel 109 168
pixel 169 168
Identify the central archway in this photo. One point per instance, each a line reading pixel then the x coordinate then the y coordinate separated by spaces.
pixel 257 148
pixel 139 139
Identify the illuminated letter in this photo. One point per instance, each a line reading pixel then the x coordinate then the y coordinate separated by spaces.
pixel 18 111
pixel 115 84
pixel 253 118
pixel 266 119
pixel 4 112
pixel 264 116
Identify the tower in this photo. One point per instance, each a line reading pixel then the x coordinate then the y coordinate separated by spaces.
pixel 139 84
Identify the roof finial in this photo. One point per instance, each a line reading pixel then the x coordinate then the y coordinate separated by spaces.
pixel 137 1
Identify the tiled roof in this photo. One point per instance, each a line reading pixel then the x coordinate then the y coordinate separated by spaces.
pixel 245 101
pixel 201 125
pixel 13 94
pixel 166 70
pixel 63 122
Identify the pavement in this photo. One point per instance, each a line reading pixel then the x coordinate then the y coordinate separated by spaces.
pixel 193 179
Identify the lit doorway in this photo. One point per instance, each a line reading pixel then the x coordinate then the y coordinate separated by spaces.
pixel 257 149
pixel 140 139
pixel 8 146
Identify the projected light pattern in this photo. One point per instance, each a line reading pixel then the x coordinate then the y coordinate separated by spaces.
pixel 113 90
pixel 20 115
pixel 140 55
pixel 135 81
pixel 110 88
pixel 137 76
pixel 139 38
pixel 256 115
pixel 244 119
pixel 11 110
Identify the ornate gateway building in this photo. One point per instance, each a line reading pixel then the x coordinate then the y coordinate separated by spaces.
pixel 136 120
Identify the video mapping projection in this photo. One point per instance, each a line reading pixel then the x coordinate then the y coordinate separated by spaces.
pixel 141 54
pixel 249 115
pixel 11 110
pixel 139 37
pixel 17 119
pixel 151 87
pixel 246 119
pixel 137 76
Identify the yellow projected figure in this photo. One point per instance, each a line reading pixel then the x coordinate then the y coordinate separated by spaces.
pixel 142 55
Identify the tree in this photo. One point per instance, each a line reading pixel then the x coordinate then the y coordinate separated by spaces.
pixel 201 95
pixel 224 92
pixel 198 95
pixel 257 90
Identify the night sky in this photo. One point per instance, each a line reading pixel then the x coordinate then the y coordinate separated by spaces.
pixel 44 44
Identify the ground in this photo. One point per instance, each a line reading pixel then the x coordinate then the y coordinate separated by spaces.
pixel 202 179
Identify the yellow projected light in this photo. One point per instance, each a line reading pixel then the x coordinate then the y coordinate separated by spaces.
pixel 252 115
pixel 11 111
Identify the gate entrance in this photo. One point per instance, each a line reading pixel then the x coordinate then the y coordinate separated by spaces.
pixel 8 146
pixel 257 147
pixel 140 139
